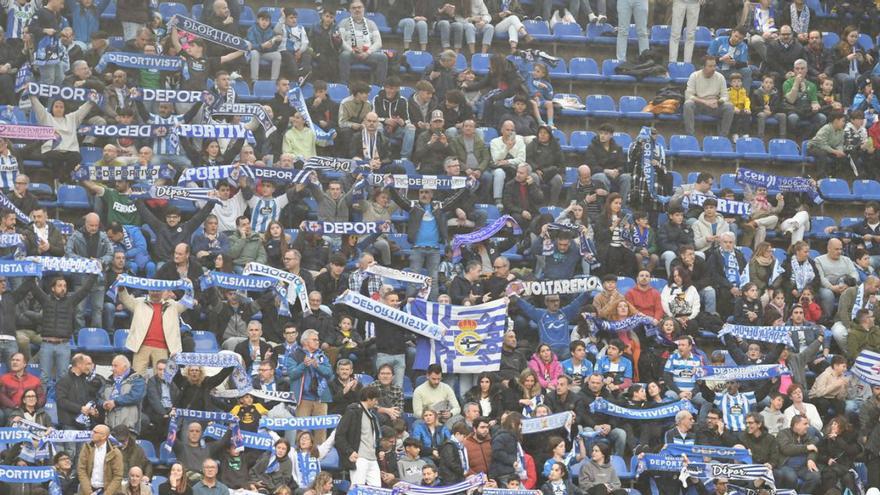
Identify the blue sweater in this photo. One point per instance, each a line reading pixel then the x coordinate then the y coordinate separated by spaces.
pixel 553 328
pixel 86 21
pixel 259 36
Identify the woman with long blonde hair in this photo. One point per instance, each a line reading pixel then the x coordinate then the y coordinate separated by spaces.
pixel 618 312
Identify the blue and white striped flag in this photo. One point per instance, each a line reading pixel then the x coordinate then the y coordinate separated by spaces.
pixel 867 367
pixel 473 337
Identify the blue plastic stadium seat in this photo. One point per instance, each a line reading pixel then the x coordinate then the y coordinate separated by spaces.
pixel 109 11
pixel 418 60
pixel 830 39
pixel 149 451
pixel 337 92
pixel 569 33
pixel 242 90
pixel 264 90
pixel 608 66
pixel 835 189
pixel 818 225
pixel 461 62
pixel 702 37
pixel 44 193
pixel 205 341
pixel 553 211
pixel 408 91
pixel 624 140
pixel 718 147
pixel 571 176
pixel 330 462
pixel 480 63
pixel 572 112
pixel 73 197
pixel 307 17
pixel 660 34
pixel 847 222
pixel 866 42
pixel 751 148
pixel 804 155
pixel 559 72
pixel 197 11
pixel 491 211
pixel 402 242
pixel 676 178
pixel 728 181
pixel 601 106
pixel 488 133
pixel 584 69
pixel 784 150
pixel 679 72
pixel 561 137
pixel 539 30
pixel 866 190
pixel 247 18
pixel 168 9
pixel 624 284
pixel 93 340
pixel 619 465
pixel 579 141
pixel 380 20
pixel 684 145
pixel 602 34
pixel 119 338
pixel 166 455
pixel 658 283
pixel 631 108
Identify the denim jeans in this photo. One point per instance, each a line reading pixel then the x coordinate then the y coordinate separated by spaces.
pixel 447 29
pixel 486 33
pixel 397 362
pixel 57 355
pixel 621 184
pixel 707 295
pixel 406 134
pixel 626 10
pixel 788 477
pixel 95 300
pixel 378 62
pixel 425 257
pixel 408 26
pixel 616 437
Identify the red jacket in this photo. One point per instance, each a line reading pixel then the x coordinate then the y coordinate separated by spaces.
pixel 479 454
pixel 646 301
pixel 12 388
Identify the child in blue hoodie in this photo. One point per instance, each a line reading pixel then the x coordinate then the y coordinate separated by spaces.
pixel 266 44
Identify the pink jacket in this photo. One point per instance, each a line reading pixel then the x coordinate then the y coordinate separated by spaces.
pixel 547 373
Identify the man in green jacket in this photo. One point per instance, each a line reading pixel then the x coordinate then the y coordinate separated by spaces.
pixel 864 334
pixel 245 245
pixel 827 146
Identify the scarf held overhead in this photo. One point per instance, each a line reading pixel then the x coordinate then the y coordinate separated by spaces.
pixel 302 423
pixel 105 173
pixel 208 33
pixel 387 313
pixel 152 284
pixel 778 182
pixel 298 102
pixel 409 277
pixel 772 335
pixel 27 132
pixel 483 233
pixel 602 406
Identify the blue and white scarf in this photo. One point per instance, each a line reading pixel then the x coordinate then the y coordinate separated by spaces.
pixel 48 51
pixel 284 176
pixel 15 435
pixel 308 467
pixel 212 131
pixel 521 458
pixel 117 384
pixel 153 284
pixel 731 267
pixel 167 95
pixel 773 335
pixel 462 454
pixel 177 192
pixel 86 266
pixel 129 131
pixel 23 77
pixel 307 423
pixel 741 373
pixel 246 110
pixel 659 462
pixel 725 206
pixel 235 282
pixel 782 183
pixel 28 132
pixel 350 166
pixel 64 227
pixel 13 241
pixel 208 33
pixel 179 414
pixel 801 273
pixel 384 312
pixel 433 182
pixel 85 419
pixel 298 102
pixel 586 246
pixel 646 141
pixel 739 472
pixel 127 60
pixel 240 377
pixel 249 440
pixel 343 228
pixel 860 302
pixel 66 93
pixel 469 484
pixel 623 325
pixel 409 277
pixel 296 287
pixel 482 234
pixel 694 451
pixel 207 173
pixel 547 423
pixel 27 474
pixel 105 173
pixel 6 204
pixel 602 406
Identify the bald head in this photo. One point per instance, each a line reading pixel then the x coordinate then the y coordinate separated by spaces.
pixel 835 248
pixel 584 173
pixel 92 222
pixel 100 434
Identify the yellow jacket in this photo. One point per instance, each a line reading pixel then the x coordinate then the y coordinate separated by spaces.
pixel 739 98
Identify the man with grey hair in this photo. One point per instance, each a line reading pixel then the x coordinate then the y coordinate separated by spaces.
pixel 121 396
pixel 254 350
pixel 442 73
pixel 720 265
pixel 210 485
pixel 310 373
pixel 361 44
pixel 801 94
pixel 522 196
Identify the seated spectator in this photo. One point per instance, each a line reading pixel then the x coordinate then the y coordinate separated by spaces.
pixel 827 147
pixel 732 53
pixel 361 43
pixel 706 94
pixel 607 161
pixel 767 103
pixel 801 102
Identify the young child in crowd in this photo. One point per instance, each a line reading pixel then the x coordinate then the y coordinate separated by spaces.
pixel 644 242
pixel 856 144
pixel 541 93
pixel 767 103
pixel 866 102
pixel 742 106
pixel 248 412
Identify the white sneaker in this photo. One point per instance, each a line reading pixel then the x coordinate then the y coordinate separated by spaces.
pixel 593 17
pixel 735 137
pixel 602 19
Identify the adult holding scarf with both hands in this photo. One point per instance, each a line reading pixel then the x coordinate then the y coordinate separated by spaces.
pixel 310 373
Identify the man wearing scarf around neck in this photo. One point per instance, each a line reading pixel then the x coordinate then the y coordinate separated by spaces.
pixel 454 461
pixel 310 372
pixel 121 396
pixel 726 266
pixel 849 303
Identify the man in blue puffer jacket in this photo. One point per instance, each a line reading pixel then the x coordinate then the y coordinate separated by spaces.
pixel 553 322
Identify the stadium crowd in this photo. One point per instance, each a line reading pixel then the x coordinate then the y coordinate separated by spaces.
pixel 406 291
